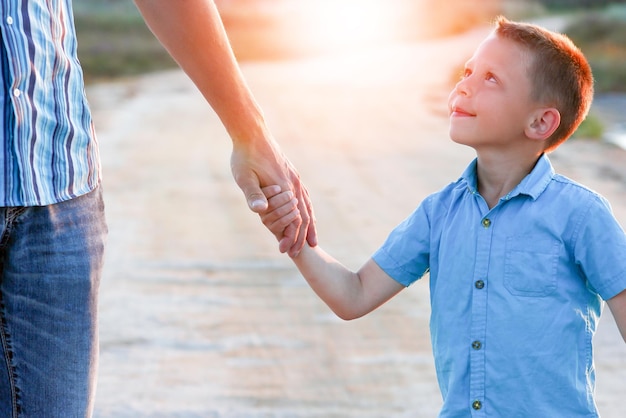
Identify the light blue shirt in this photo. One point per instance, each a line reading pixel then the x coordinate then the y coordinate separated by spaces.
pixel 48 149
pixel 516 292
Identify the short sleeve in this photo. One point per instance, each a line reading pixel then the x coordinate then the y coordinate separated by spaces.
pixel 405 254
pixel 600 249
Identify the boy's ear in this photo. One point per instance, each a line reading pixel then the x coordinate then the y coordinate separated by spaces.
pixel 543 123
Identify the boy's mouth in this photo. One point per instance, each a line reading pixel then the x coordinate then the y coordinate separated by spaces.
pixel 457 111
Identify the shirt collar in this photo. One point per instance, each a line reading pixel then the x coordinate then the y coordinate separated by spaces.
pixel 532 185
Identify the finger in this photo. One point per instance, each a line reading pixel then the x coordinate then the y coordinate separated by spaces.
pixel 305 216
pixel 274 214
pixel 249 185
pixel 284 230
pixel 300 236
pixel 279 200
pixel 311 232
pixel 290 235
pixel 271 191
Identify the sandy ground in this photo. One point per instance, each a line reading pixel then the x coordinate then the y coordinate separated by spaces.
pixel 200 316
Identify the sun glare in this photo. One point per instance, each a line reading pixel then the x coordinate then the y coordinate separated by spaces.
pixel 283 28
pixel 355 20
pixel 348 23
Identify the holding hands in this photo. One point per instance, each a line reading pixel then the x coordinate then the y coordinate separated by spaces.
pixel 285 207
pixel 282 212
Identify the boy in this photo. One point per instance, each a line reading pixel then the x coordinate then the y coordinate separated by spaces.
pixel 519 257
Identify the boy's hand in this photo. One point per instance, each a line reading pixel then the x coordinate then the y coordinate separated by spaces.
pixel 261 163
pixel 281 212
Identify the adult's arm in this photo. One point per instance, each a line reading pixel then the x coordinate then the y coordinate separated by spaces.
pixel 193 34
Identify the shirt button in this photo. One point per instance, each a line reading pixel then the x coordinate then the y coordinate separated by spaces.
pixel 476 345
pixel 10 20
pixel 17 92
pixel 486 222
pixel 479 284
pixel 477 405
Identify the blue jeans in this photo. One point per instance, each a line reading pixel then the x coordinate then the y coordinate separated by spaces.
pixel 50 267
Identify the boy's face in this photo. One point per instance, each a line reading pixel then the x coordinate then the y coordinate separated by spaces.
pixel 491 105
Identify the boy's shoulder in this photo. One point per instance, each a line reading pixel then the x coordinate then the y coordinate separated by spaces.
pixel 450 191
pixel 577 192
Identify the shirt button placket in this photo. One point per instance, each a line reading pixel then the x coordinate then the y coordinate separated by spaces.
pixel 479 317
pixel 477 345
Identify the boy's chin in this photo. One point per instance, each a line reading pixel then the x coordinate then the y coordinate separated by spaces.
pixel 459 139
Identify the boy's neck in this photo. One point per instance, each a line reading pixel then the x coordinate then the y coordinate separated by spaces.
pixel 497 175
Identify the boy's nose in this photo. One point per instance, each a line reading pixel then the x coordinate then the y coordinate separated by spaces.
pixel 462 87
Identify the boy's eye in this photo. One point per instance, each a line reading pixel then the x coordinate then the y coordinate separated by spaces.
pixel 466 73
pixel 491 77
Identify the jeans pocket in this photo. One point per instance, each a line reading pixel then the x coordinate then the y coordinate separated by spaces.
pixel 530 266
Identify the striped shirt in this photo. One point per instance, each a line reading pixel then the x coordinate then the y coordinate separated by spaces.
pixel 48 148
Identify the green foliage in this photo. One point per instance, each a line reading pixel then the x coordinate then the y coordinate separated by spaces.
pixel 609 74
pixel 602 38
pixel 591 128
pixel 120 7
pixel 114 42
pixel 575 4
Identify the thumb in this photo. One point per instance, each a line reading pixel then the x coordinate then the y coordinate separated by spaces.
pixel 252 191
pixel 256 201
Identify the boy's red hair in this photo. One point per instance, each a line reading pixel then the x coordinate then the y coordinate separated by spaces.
pixel 559 74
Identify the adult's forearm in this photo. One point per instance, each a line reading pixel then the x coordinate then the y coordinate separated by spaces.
pixel 193 34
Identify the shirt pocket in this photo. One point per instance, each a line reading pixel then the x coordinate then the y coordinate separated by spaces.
pixel 530 266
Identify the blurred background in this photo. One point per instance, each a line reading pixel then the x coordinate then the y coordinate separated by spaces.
pixel 114 42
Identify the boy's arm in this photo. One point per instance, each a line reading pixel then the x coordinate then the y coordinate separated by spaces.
pixel 349 294
pixel 617 304
pixel 193 34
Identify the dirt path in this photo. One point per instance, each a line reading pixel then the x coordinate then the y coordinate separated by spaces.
pixel 200 315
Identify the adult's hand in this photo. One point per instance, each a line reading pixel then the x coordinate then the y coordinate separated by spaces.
pixel 256 164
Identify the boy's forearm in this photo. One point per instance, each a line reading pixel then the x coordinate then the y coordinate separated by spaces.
pixel 349 294
pixel 336 285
